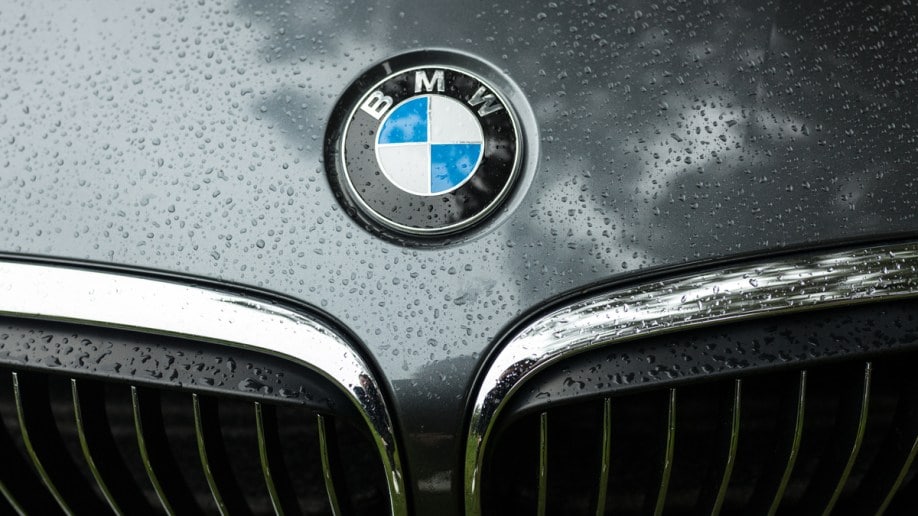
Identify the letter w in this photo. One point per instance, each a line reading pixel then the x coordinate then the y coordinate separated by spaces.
pixel 488 99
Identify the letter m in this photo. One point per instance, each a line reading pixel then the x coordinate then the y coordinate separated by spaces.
pixel 487 101
pixel 422 82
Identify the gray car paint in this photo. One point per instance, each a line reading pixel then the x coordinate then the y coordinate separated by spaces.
pixel 189 138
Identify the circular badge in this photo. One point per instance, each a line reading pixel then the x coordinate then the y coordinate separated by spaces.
pixel 429 150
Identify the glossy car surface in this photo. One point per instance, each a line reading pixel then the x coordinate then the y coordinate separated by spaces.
pixel 190 139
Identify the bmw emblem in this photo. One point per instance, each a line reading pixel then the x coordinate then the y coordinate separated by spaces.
pixel 427 150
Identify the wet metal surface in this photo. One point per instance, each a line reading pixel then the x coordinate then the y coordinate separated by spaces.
pixel 189 138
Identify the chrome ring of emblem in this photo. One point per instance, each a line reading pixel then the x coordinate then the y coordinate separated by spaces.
pixel 511 181
pixel 123 301
pixel 455 216
pixel 738 293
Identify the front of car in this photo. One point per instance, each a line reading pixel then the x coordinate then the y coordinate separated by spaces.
pixel 563 258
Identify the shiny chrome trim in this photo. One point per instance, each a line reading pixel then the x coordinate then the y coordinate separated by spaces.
pixel 123 301
pixel 691 301
pixel 354 192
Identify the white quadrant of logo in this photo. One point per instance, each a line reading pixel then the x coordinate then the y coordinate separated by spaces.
pixel 429 145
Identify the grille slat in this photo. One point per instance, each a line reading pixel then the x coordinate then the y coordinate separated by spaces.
pixel 30 449
pixel 668 454
pixel 605 458
pixel 8 504
pixel 720 492
pixel 845 418
pixel 857 441
pixel 900 447
pixel 900 477
pixel 224 488
pixel 263 457
pixel 269 447
pixel 100 451
pixel 543 465
pixel 45 446
pixel 791 449
pixel 85 446
pixel 156 454
pixel 11 500
pixel 327 473
pixel 16 476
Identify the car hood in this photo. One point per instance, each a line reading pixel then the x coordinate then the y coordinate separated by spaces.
pixel 190 139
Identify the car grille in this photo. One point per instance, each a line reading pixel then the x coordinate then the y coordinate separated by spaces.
pixel 785 386
pixel 800 440
pixel 135 394
pixel 89 446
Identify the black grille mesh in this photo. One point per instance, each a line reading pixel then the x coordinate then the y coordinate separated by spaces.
pixel 841 435
pixel 91 445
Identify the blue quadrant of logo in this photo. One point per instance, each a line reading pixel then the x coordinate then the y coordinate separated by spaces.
pixel 407 124
pixel 451 164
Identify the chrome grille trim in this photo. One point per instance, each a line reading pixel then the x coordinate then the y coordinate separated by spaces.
pixel 733 294
pixel 123 301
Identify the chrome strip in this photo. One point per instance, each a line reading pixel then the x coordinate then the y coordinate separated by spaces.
pixel 737 293
pixel 163 307
pixel 353 190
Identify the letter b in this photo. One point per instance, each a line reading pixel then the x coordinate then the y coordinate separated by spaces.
pixel 377 104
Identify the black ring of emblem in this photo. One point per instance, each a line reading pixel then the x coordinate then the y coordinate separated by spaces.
pixel 362 181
